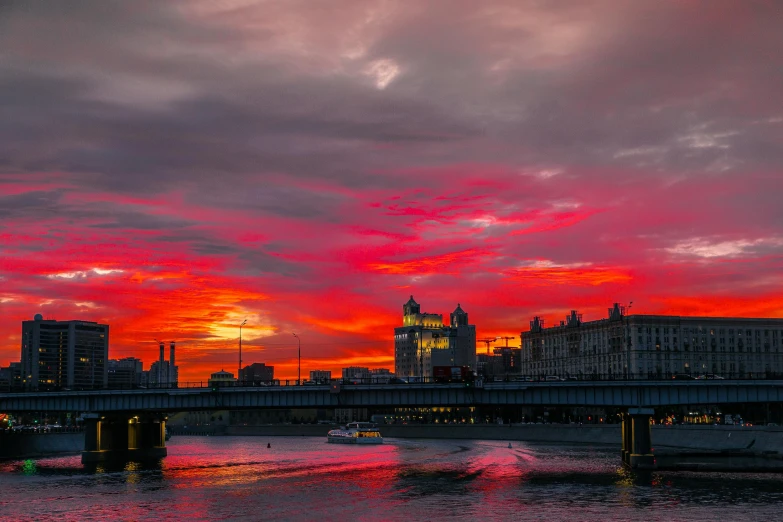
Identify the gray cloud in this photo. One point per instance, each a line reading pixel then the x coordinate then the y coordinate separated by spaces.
pixel 146 98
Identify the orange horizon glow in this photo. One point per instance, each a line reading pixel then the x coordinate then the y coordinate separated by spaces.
pixel 308 169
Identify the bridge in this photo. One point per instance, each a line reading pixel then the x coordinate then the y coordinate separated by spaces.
pixel 622 394
pixel 133 420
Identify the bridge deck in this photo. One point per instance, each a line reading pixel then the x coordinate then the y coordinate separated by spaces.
pixel 576 393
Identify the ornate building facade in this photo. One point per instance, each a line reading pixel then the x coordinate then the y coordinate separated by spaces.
pixel 423 341
pixel 653 346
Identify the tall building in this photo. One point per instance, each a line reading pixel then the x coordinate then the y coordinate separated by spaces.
pixel 125 373
pixel 64 354
pixel 653 346
pixel 423 341
pixel 257 372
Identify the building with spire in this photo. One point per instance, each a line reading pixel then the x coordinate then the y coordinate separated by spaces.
pixel 424 341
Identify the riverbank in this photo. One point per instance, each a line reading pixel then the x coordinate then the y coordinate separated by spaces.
pixel 683 437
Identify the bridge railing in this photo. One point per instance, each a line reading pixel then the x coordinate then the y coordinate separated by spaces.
pixel 276 383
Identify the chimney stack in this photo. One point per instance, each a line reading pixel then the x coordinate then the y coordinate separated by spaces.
pixel 171 363
pixel 160 364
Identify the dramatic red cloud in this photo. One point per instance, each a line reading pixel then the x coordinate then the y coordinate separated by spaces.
pixel 552 275
pixel 309 169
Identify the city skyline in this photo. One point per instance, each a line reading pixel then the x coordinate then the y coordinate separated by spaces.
pixel 172 170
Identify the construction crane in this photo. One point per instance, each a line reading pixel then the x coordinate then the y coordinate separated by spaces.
pixel 488 341
pixel 507 339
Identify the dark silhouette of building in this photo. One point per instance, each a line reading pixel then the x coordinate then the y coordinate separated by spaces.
pixel 64 354
pixel 257 372
pixel 125 373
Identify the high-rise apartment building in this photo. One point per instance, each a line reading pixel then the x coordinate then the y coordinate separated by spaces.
pixel 653 346
pixel 423 341
pixel 64 354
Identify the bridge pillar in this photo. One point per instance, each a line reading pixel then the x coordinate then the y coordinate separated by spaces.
pixel 637 439
pixel 91 432
pixel 120 438
pixel 148 437
pixel 625 430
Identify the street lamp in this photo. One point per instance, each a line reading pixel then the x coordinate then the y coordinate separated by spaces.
pixel 421 357
pixel 628 370
pixel 239 371
pixel 299 372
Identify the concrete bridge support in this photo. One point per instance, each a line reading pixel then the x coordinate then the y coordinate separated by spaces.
pixel 122 437
pixel 637 441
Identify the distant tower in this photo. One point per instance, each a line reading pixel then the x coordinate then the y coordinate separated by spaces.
pixel 409 312
pixel 459 317
pixel 411 307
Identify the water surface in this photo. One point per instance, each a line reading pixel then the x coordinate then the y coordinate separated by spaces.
pixel 303 478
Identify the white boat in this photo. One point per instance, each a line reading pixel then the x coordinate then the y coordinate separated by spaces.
pixel 356 433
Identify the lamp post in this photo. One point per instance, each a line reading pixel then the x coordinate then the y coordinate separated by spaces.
pixel 421 356
pixel 299 371
pixel 628 370
pixel 239 371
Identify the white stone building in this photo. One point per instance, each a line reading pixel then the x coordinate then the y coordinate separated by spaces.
pixel 659 346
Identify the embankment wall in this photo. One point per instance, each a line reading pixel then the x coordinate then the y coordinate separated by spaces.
pixel 676 437
pixel 35 445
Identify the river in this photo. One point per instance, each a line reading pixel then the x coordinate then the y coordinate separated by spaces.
pixel 304 478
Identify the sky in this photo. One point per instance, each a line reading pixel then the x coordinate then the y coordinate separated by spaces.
pixel 174 168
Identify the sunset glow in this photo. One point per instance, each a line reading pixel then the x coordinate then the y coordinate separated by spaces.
pixel 177 168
